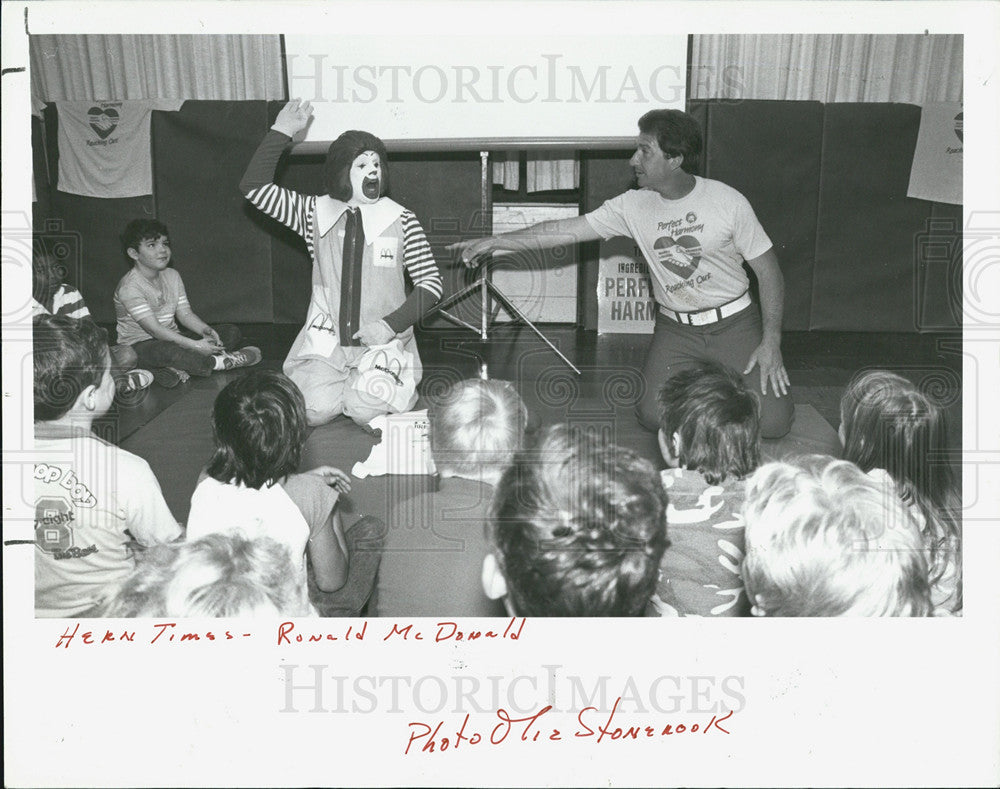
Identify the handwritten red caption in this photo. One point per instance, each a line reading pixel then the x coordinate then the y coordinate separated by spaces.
pixel 163 632
pixel 446 631
pixel 167 632
pixel 530 729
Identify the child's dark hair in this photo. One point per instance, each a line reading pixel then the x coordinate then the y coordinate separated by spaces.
pixel 139 230
pixel 579 528
pixel 69 355
pixel 888 423
pixel 342 153
pixel 677 134
pixel 717 418
pixel 260 426
pixel 47 274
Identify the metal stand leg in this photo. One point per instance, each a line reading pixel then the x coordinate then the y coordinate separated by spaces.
pixel 513 310
pixel 484 284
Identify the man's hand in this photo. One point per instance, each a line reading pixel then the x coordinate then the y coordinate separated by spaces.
pixel 375 333
pixel 334 477
pixel 768 357
pixel 293 118
pixel 469 252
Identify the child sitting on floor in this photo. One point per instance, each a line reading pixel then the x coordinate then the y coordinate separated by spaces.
pixel 710 437
pixel 92 499
pixel 825 539
pixel 150 301
pixel 52 296
pixel 887 423
pixel 250 484
pixel 576 528
pixel 218 575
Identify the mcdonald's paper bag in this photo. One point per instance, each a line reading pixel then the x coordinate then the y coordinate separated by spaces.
pixel 320 337
pixel 385 375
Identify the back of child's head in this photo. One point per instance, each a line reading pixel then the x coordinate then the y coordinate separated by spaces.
pixel 220 574
pixel 888 423
pixel 342 153
pixel 139 230
pixel 717 419
pixel 69 355
pixel 476 425
pixel 260 427
pixel 825 539
pixel 578 528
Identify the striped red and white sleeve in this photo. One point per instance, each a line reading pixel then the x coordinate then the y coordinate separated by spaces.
pixel 418 257
pixel 68 301
pixel 424 274
pixel 293 209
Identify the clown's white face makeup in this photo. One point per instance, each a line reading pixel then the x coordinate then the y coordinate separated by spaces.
pixel 366 178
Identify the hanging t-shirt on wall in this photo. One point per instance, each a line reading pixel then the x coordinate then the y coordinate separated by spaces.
pixel 104 146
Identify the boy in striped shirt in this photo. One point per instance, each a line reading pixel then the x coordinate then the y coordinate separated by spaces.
pixel 150 301
pixel 362 243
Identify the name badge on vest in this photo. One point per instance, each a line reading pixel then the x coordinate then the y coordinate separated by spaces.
pixel 385 251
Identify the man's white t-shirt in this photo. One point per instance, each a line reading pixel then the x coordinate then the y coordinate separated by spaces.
pixel 695 246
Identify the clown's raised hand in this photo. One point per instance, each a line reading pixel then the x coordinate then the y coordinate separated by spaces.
pixel 293 118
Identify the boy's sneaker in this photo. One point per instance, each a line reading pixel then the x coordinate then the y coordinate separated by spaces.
pixel 244 357
pixel 133 381
pixel 168 377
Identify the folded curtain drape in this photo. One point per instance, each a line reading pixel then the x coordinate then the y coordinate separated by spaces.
pixel 913 69
pixel 137 67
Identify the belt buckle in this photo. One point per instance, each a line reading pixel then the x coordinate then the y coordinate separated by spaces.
pixel 701 318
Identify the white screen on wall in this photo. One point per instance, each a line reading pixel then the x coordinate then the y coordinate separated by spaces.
pixel 528 90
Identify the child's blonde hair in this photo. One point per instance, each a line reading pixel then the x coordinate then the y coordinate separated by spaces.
pixel 824 539
pixel 476 424
pixel 218 575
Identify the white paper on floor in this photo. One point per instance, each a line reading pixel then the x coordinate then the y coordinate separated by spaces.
pixel 405 447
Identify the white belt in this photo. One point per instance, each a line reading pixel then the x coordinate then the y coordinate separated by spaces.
pixel 713 315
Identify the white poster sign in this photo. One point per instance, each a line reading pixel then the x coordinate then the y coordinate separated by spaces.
pixel 480 87
pixel 625 303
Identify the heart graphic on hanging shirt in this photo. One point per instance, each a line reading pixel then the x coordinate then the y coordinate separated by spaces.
pixel 103 121
pixel 681 256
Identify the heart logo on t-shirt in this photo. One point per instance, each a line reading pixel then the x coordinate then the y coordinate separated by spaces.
pixel 958 126
pixel 103 121
pixel 681 256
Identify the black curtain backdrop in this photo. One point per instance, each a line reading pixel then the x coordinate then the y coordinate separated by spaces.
pixel 867 228
pixel 770 151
